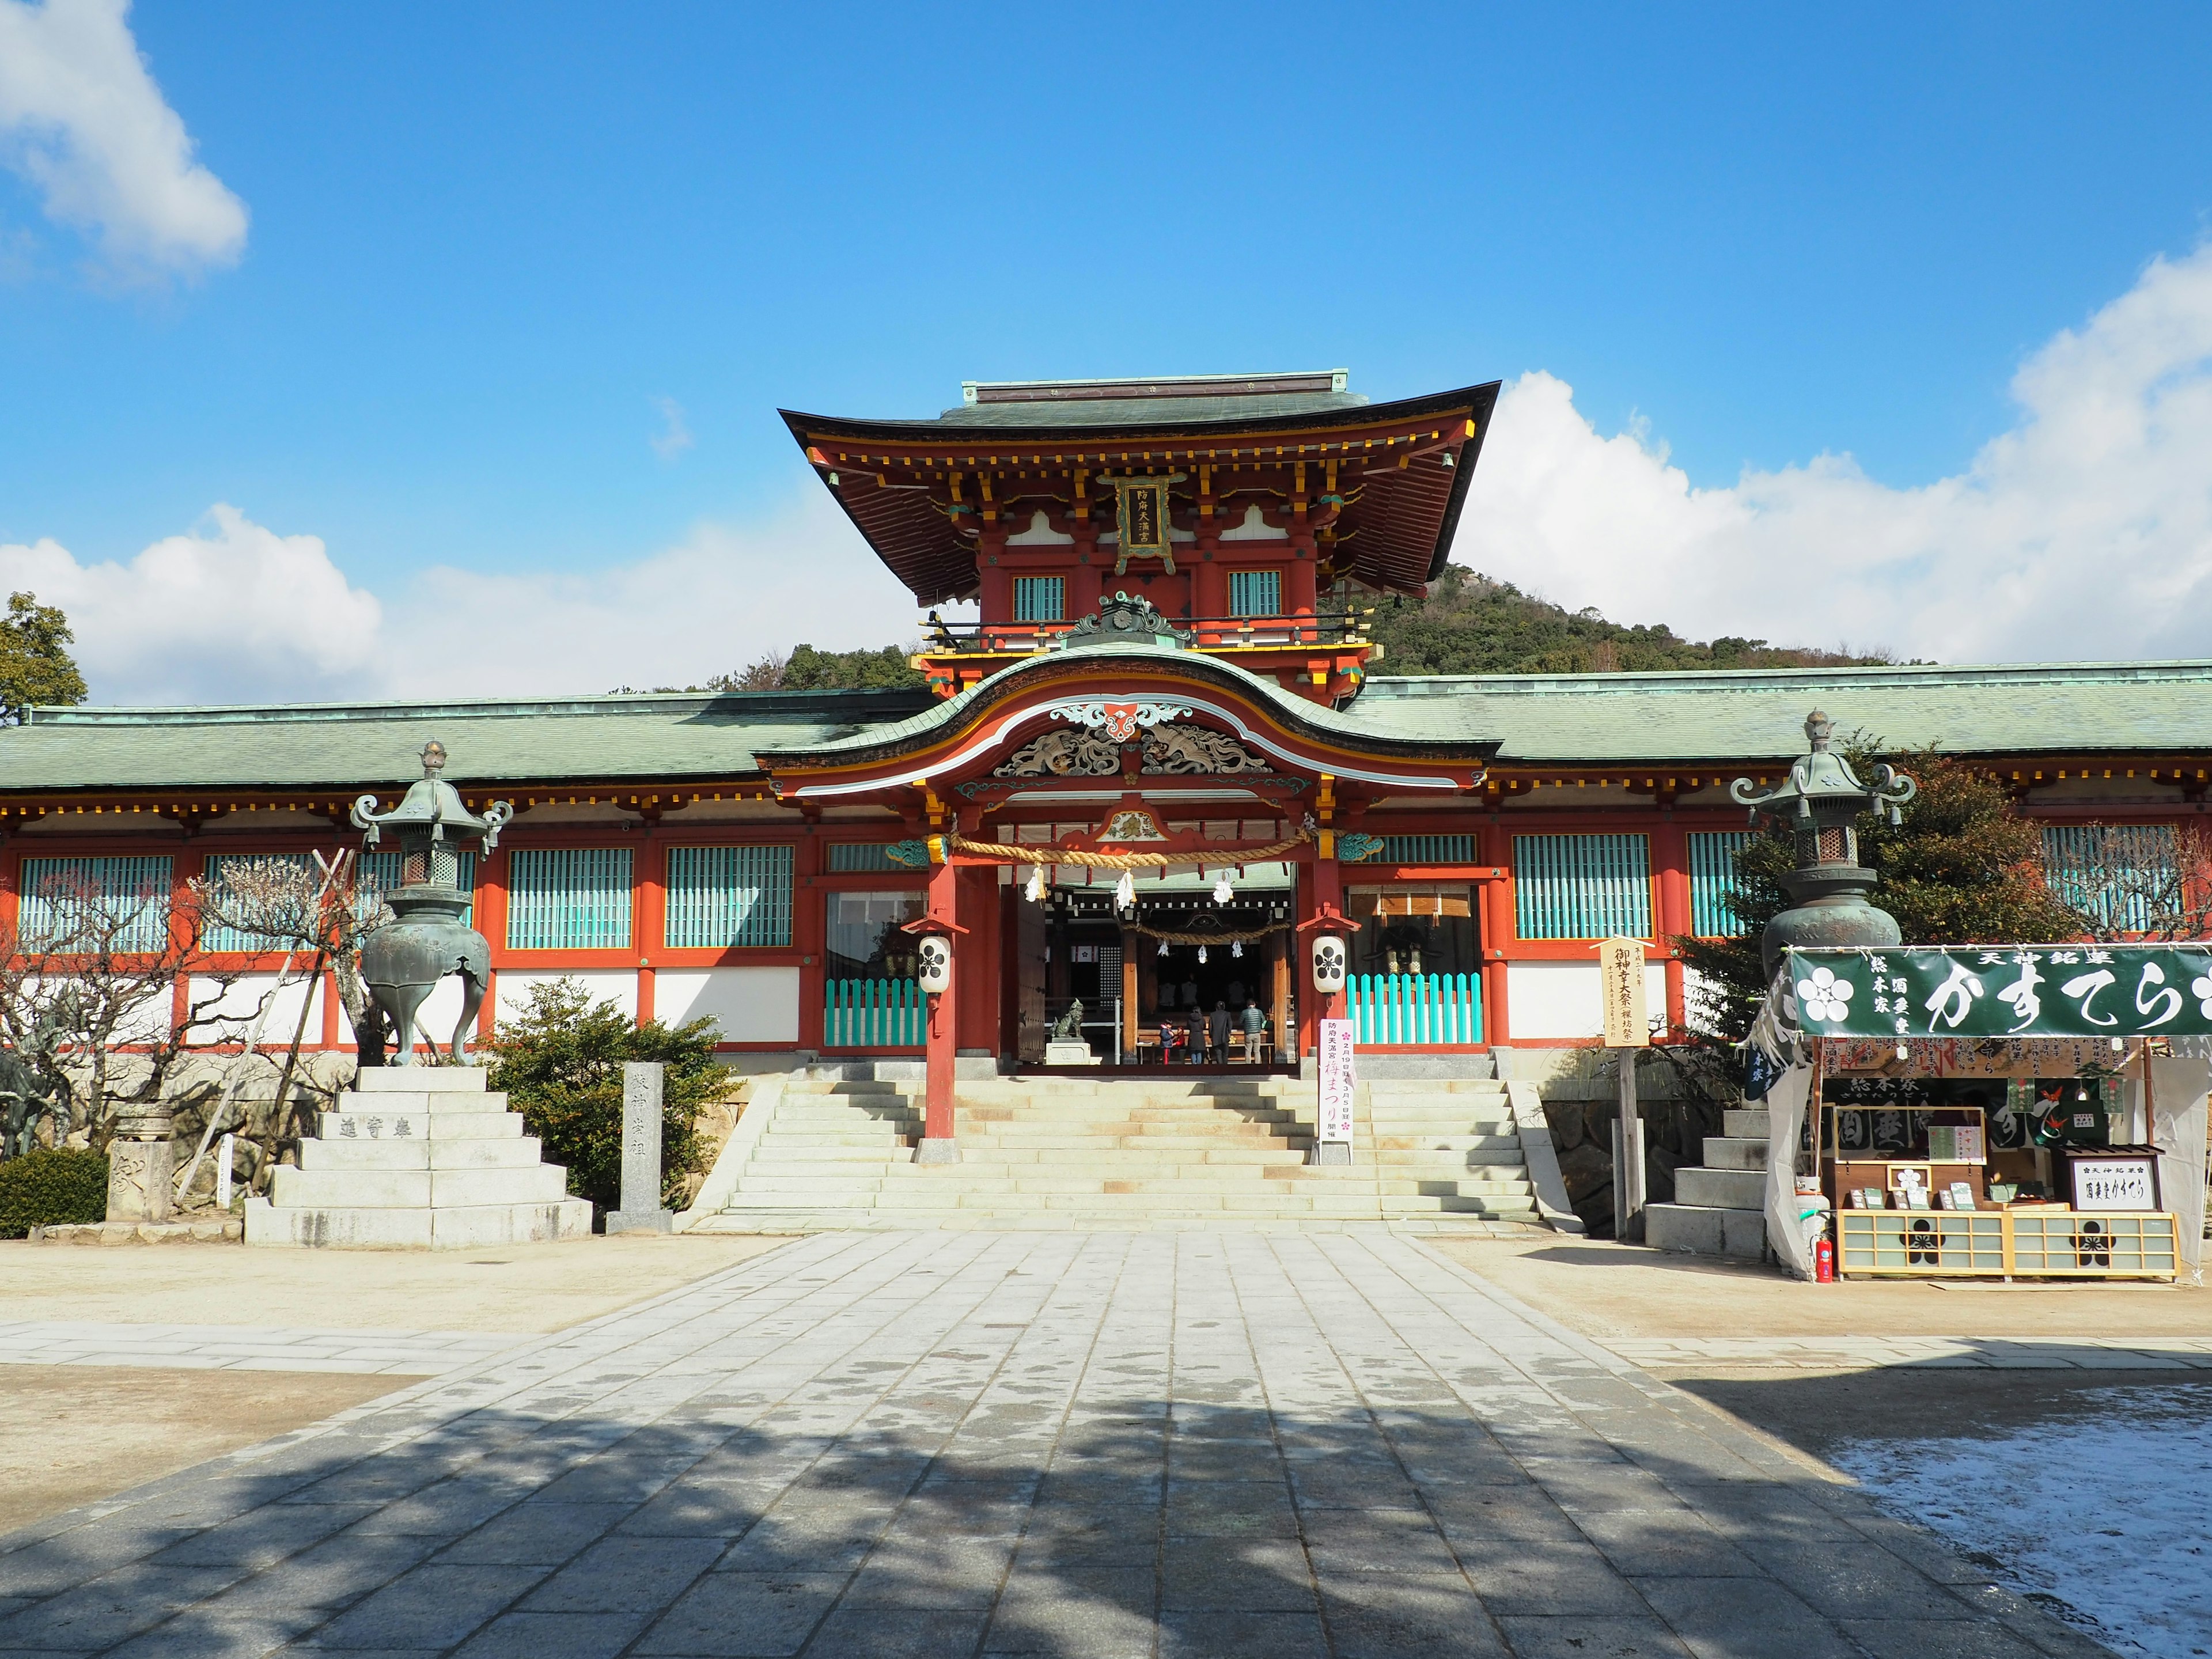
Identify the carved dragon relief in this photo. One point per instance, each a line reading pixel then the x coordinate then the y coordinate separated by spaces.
pixel 1063 754
pixel 1171 748
pixel 1179 748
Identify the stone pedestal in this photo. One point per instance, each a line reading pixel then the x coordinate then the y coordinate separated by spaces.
pixel 640 1211
pixel 141 1178
pixel 1060 1053
pixel 422 1157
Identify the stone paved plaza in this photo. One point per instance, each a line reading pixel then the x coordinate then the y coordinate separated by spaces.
pixel 999 1444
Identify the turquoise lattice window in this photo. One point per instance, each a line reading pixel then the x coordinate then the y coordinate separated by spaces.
pixel 568 898
pixel 96 903
pixel 2123 877
pixel 1428 849
pixel 220 868
pixel 1582 886
pixel 1712 878
pixel 721 897
pixel 1255 593
pixel 1040 598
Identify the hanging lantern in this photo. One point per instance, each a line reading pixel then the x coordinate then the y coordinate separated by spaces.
pixel 1034 891
pixel 1223 892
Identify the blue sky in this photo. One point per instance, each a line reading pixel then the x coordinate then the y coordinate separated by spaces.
pixel 490 254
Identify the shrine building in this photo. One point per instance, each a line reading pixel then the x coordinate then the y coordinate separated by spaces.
pixel 1162 758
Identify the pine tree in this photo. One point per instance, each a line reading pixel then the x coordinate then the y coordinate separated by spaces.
pixel 1964 867
pixel 35 666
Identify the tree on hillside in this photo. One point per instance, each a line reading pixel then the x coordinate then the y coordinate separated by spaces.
pixel 1469 625
pixel 887 669
pixel 35 666
pixel 1964 867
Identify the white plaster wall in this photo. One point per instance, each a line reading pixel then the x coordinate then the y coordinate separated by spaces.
pixel 1551 1000
pixel 614 985
pixel 440 1012
pixel 752 1004
pixel 146 1022
pixel 243 996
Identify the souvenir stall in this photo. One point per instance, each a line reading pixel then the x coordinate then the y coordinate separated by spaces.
pixel 2034 1111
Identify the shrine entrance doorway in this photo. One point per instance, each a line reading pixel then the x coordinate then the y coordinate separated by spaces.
pixel 1193 976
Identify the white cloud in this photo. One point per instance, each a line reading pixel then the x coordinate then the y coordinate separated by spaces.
pixel 228 612
pixel 714 601
pixel 83 121
pixel 674 437
pixel 235 612
pixel 2084 531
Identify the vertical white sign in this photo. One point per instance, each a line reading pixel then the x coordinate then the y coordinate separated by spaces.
pixel 225 1151
pixel 1620 972
pixel 1339 1077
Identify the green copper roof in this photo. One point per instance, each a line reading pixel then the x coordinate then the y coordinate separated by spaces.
pixel 1149 411
pixel 335 745
pixel 1759 713
pixel 1546 719
pixel 1300 715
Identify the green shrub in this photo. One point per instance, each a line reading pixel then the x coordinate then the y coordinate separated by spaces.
pixel 560 1064
pixel 49 1188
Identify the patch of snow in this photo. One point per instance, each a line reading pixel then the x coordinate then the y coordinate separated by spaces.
pixel 2106 1519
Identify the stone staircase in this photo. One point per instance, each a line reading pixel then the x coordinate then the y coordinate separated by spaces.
pixel 419 1155
pixel 1719 1209
pixel 1055 1152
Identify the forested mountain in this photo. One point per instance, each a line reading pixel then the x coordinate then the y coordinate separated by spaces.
pixel 1470 625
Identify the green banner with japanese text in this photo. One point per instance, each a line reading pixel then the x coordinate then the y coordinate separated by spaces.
pixel 2003 991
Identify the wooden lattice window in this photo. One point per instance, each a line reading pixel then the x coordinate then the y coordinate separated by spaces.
pixel 1040 598
pixel 724 897
pixel 568 898
pixel 1255 593
pixel 1582 886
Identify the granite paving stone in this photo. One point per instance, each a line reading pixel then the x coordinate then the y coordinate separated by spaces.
pixel 1086 1445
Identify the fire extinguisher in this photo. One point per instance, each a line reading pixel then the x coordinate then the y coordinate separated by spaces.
pixel 1824 1260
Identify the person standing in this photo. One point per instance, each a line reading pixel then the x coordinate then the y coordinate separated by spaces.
pixel 1256 1030
pixel 1216 1034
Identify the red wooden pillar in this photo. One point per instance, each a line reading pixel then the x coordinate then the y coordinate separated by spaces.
pixel 938 1145
pixel 1300 581
pixel 810 934
pixel 978 1027
pixel 490 919
pixel 651 909
pixel 1670 859
pixel 1212 597
pixel 1322 894
pixel 182 870
pixel 1083 581
pixel 997 591
pixel 1496 898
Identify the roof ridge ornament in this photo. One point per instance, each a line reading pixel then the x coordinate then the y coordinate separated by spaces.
pixel 1122 620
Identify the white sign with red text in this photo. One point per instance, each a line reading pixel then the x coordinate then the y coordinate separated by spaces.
pixel 1338 1077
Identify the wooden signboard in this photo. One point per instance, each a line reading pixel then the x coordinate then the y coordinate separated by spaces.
pixel 1620 976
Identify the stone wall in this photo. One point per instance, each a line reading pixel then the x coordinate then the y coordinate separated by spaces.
pixel 1680 1097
